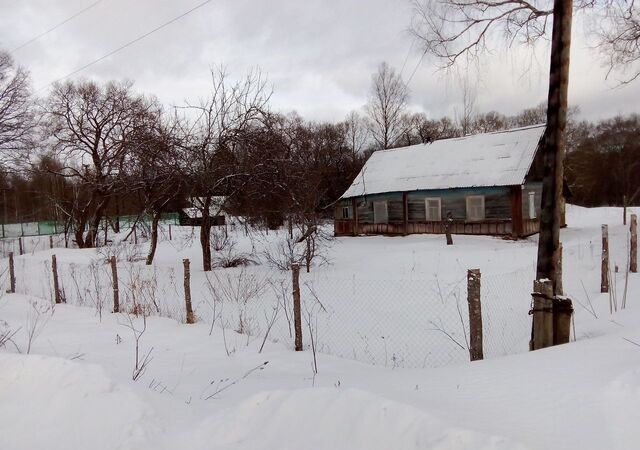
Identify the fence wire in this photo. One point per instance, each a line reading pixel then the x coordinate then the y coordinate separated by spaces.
pixel 392 323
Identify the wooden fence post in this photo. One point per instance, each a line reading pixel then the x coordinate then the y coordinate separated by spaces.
pixel 169 231
pixel 542 333
pixel 12 274
pixel 56 285
pixel 475 314
pixel 297 314
pixel 633 248
pixel 187 291
pixel 447 228
pixel 559 289
pixel 20 247
pixel 135 236
pixel 604 272
pixel 624 210
pixel 114 283
pixel 50 241
pixel 562 312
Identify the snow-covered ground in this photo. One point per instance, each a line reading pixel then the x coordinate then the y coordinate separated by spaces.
pixel 210 387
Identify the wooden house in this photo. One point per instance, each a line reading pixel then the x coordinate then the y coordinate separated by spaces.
pixel 488 183
pixel 192 215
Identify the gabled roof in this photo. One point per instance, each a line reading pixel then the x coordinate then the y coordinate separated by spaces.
pixel 501 158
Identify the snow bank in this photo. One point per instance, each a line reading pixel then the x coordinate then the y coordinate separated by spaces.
pixel 60 404
pixel 325 418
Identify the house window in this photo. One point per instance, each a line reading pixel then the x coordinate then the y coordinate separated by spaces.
pixel 346 212
pixel 432 207
pixel 380 214
pixel 532 205
pixel 475 207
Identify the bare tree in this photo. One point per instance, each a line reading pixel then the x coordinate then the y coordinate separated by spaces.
pixel 618 35
pixel 356 133
pixel 16 112
pixel 451 29
pixel 467 114
pixel 454 29
pixel 155 171
pixel 211 140
pixel 387 102
pixel 90 127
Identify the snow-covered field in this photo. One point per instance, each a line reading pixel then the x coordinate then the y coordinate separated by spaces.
pixel 211 387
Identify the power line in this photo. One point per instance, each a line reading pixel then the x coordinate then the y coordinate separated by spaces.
pixel 406 58
pixel 122 47
pixel 416 68
pixel 55 27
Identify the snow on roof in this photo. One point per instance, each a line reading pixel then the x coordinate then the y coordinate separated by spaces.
pixel 500 158
pixel 216 207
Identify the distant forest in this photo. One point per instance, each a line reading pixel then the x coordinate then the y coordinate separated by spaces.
pixel 89 151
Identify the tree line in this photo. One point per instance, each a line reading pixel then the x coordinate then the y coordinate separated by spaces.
pixel 89 152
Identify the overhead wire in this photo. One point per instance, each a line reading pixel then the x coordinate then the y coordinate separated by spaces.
pixel 55 27
pixel 128 44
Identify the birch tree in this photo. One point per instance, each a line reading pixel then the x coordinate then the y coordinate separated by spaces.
pixel 387 103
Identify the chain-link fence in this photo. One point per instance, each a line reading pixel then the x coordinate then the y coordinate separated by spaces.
pixel 393 323
pixel 47 227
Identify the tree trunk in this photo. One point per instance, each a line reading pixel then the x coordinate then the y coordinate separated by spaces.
pixel 555 143
pixel 205 236
pixel 154 237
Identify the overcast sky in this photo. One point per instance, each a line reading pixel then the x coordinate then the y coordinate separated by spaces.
pixel 318 54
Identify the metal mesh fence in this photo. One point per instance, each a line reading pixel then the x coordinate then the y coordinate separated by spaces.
pixel 46 227
pixel 393 323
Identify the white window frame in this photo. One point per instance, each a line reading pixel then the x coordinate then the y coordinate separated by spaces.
pixel 377 219
pixel 475 218
pixel 426 209
pixel 532 204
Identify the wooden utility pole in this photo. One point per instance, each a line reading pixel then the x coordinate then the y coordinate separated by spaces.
pixel 114 282
pixel 604 266
pixel 297 313
pixel 553 149
pixel 475 315
pixel 542 335
pixel 552 201
pixel 187 291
